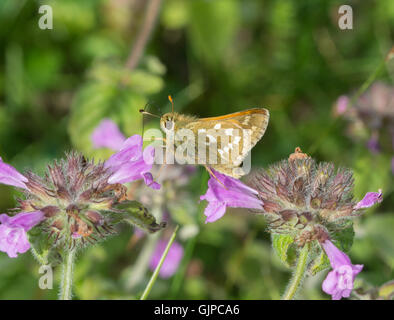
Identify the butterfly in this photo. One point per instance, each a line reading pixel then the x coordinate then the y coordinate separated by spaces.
pixel 229 138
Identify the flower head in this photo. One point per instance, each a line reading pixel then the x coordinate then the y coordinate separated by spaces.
pixel 339 281
pixel 171 263
pixel 75 202
pixel 305 199
pixel 10 176
pixel 228 192
pixel 107 135
pixel 13 231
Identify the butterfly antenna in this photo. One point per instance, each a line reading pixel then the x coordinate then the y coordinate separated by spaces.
pixel 143 120
pixel 172 103
pixel 148 113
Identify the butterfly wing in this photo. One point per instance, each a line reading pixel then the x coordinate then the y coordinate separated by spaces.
pixel 242 131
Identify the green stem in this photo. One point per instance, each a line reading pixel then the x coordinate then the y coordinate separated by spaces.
pixel 298 274
pixel 156 272
pixel 67 276
pixel 179 276
pixel 369 81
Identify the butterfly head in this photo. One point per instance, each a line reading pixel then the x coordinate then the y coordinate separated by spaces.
pixel 167 121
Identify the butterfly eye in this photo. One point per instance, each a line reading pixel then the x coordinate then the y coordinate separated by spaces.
pixel 169 124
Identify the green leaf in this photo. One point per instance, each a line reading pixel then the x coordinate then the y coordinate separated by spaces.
pixel 93 103
pixel 320 263
pixel 111 92
pixel 343 239
pixel 282 246
pixel 41 248
pixel 386 291
pixel 367 180
pixel 145 83
pixel 135 213
pixel 175 14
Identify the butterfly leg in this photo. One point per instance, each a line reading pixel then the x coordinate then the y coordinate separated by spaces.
pixel 213 175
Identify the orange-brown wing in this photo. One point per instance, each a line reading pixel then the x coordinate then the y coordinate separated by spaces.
pixel 234 125
pixel 240 114
pixel 255 119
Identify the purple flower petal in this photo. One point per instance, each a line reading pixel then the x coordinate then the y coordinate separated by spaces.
pixel 392 165
pixel 342 104
pixel 369 200
pixel 13 231
pixel 10 176
pixel 235 195
pixel 373 144
pixel 339 281
pixel 337 257
pixel 129 171
pixel 148 178
pixel 171 263
pixel 107 135
pixel 130 150
pixel 214 211
pixel 131 163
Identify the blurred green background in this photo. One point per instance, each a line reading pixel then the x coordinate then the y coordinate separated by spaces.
pixel 214 57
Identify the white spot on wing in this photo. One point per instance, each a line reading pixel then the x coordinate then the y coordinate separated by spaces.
pixel 211 138
pixel 237 139
pixel 217 126
pixel 229 131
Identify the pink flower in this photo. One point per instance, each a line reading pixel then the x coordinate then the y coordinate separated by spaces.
pixel 342 104
pixel 148 179
pixel 107 135
pixel 235 195
pixel 373 144
pixel 171 262
pixel 369 200
pixel 131 163
pixel 339 281
pixel 13 231
pixel 10 176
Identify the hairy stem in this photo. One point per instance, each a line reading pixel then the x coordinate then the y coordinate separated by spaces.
pixel 67 276
pixel 298 274
pixel 156 272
